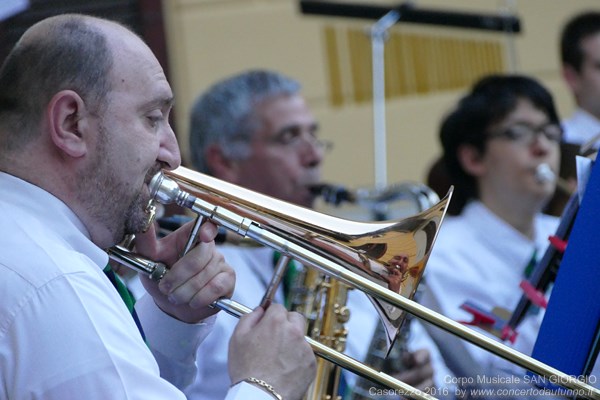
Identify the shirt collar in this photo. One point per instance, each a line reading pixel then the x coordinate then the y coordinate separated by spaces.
pixel 51 212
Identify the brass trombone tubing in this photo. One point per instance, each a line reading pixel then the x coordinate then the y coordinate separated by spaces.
pixel 249 228
pixel 150 268
pixel 236 309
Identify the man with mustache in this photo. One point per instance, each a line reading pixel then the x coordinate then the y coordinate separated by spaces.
pixel 255 129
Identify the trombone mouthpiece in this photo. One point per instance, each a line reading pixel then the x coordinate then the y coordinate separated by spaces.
pixel 544 174
pixel 155 184
pixel 163 189
pixel 166 191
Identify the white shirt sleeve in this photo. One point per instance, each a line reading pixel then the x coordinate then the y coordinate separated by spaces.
pixel 172 342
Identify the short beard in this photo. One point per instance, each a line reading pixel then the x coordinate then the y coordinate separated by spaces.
pixel 136 221
pixel 108 201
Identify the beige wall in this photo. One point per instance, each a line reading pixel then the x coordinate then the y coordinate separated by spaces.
pixel 210 39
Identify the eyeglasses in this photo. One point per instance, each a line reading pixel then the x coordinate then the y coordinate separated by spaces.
pixel 295 138
pixel 526 134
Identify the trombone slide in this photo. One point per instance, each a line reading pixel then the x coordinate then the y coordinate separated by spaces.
pixel 312 247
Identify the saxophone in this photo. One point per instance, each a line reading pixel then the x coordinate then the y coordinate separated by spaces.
pixel 379 355
pixel 322 301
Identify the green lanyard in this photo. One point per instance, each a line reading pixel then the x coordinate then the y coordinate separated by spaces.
pixel 531 265
pixel 126 295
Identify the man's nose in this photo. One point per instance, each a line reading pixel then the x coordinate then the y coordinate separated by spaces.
pixel 169 152
pixel 315 150
pixel 313 155
pixel 541 145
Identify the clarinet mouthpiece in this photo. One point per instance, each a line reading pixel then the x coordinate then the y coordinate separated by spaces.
pixel 544 174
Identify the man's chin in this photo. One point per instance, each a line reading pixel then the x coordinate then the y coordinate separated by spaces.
pixel 137 225
pixel 138 218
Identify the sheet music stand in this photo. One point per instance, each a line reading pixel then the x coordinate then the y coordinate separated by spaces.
pixel 568 337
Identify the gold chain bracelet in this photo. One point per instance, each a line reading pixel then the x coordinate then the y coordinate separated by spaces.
pixel 263 385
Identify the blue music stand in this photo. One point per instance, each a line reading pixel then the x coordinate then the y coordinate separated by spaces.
pixel 568 338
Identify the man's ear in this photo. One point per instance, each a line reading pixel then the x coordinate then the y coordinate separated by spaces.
pixel 571 77
pixel 218 163
pixel 471 160
pixel 65 112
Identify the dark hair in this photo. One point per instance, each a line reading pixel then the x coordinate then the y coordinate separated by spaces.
pixel 71 54
pixel 491 100
pixel 578 28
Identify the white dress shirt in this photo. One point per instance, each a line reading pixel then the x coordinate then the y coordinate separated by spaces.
pixel 581 127
pixel 65 333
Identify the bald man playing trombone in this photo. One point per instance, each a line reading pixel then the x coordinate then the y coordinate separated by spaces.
pixel 84 109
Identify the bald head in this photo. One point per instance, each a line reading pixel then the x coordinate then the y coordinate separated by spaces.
pixel 66 52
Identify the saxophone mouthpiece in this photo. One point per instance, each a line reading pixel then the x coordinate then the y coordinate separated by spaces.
pixel 333 194
pixel 544 174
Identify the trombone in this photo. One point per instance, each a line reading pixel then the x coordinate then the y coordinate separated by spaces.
pixel 356 253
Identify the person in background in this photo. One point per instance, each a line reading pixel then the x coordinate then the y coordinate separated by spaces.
pixel 580 56
pixel 494 142
pixel 84 108
pixel 256 130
